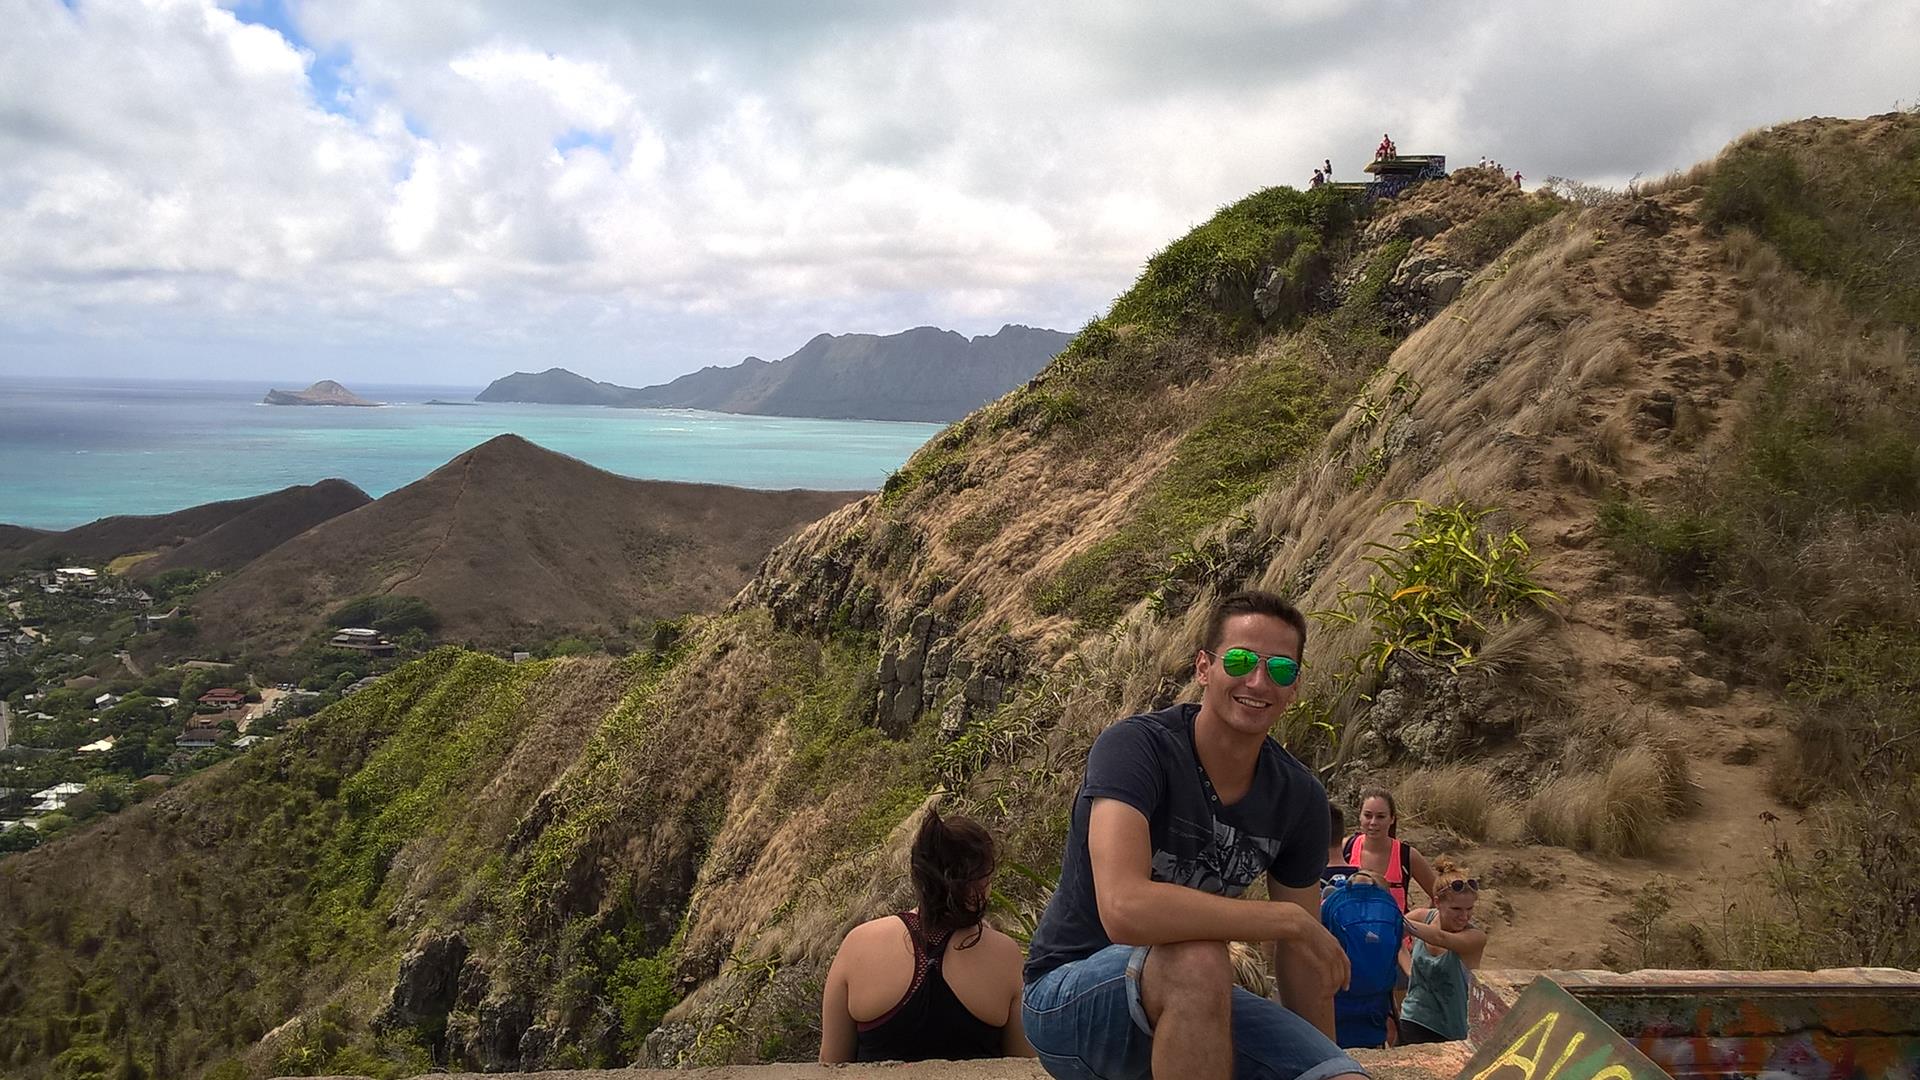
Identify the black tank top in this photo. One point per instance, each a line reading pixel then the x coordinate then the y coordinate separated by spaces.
pixel 929 1023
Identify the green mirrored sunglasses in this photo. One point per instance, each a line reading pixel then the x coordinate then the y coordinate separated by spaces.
pixel 1238 661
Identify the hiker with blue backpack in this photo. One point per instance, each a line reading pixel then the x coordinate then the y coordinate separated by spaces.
pixel 1364 918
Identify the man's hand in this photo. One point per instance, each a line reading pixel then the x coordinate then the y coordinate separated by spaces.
pixel 1308 944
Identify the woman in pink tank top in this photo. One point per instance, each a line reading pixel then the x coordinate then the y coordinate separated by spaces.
pixel 1378 847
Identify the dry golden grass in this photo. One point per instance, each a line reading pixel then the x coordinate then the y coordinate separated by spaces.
pixel 1582 471
pixel 1618 812
pixel 1553 411
pixel 127 562
pixel 1462 798
pixel 1250 968
pixel 1611 441
pixel 1527 660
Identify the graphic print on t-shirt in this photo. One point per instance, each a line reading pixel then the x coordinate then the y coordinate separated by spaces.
pixel 1223 861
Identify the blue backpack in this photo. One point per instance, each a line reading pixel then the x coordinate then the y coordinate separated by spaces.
pixel 1365 920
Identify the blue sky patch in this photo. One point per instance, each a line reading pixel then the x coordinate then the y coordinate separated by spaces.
pixel 329 69
pixel 578 137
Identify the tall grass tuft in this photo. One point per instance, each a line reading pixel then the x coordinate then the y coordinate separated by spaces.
pixel 1616 812
pixel 1462 798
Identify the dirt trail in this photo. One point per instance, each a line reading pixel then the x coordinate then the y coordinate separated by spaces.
pixel 1673 302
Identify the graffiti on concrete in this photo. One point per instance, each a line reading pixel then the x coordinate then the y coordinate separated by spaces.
pixel 1547 1035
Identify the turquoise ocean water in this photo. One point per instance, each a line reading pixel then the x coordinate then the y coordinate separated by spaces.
pixel 72 451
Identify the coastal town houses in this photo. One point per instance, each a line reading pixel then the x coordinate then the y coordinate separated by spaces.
pixel 223 698
pixel 362 640
pixel 54 798
pixel 199 737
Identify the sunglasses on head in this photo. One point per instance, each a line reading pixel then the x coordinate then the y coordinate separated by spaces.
pixel 1471 884
pixel 1283 670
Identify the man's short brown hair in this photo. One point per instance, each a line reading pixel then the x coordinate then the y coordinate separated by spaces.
pixel 1253 602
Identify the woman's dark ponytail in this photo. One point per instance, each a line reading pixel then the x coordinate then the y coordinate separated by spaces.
pixel 950 857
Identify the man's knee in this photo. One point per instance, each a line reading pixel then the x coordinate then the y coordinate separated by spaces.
pixel 1195 974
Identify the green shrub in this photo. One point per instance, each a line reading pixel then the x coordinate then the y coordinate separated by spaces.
pixel 1440 585
pixel 1485 237
pixel 1380 267
pixel 1185 287
pixel 1679 546
pixel 642 989
pixel 1259 425
pixel 1844 213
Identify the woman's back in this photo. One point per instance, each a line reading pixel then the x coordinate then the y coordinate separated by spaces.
pixel 916 997
pixel 933 982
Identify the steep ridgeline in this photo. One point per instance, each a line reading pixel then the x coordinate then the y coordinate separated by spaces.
pixel 589 861
pixel 19 536
pixel 512 542
pixel 211 536
pixel 920 374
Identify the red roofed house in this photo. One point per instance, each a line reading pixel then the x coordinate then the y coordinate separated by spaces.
pixel 223 698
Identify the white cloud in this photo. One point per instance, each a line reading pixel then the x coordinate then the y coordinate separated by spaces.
pixel 635 190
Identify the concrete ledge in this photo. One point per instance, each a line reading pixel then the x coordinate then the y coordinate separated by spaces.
pixel 1439 1061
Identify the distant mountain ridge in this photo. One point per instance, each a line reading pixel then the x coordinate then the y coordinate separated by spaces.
pixel 923 374
pixel 554 386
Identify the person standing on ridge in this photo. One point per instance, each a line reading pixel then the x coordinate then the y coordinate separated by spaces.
pixel 1326 166
pixel 1128 974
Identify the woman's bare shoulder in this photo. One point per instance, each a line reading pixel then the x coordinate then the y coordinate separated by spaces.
pixel 999 944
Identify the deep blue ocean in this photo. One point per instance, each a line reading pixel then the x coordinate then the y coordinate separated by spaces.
pixel 75 450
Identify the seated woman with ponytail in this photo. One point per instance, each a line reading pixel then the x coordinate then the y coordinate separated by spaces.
pixel 934 983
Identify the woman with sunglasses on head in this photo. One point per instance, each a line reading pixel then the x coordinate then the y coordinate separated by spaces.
pixel 1447 945
pixel 934 982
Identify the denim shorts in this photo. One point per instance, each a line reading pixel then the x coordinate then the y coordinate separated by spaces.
pixel 1086 1021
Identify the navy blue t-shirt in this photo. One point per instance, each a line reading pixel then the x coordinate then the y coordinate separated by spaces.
pixel 1148 762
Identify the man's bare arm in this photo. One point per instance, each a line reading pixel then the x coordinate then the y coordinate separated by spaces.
pixel 1306 982
pixel 1137 910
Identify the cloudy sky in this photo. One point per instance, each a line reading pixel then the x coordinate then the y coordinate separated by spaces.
pixel 442 191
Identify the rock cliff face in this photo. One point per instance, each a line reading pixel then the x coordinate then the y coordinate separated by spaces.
pixel 324 392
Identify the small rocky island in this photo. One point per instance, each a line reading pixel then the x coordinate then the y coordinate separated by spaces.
pixel 324 392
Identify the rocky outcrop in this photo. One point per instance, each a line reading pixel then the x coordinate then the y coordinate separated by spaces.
pixel 926 667
pixel 428 984
pixel 1429 277
pixel 324 392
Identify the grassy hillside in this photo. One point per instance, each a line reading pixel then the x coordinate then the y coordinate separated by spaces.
pixel 259 529
pixel 18 536
pixel 1604 512
pixel 255 527
pixel 510 543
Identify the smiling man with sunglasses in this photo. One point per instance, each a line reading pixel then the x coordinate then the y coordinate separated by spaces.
pixel 1180 811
